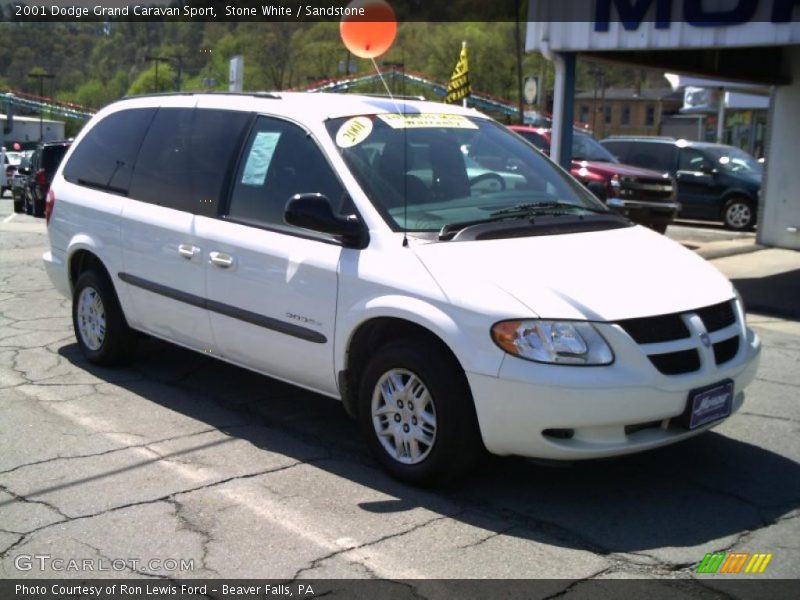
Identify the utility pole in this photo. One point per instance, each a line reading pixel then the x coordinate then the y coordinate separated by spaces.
pixel 41 76
pixel 179 60
pixel 157 59
pixel 598 74
pixel 519 50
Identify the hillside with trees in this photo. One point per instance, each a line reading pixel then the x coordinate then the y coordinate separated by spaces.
pixel 96 63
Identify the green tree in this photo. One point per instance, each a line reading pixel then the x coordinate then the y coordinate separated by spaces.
pixel 146 82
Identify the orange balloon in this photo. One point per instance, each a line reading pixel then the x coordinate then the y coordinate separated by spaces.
pixel 370 34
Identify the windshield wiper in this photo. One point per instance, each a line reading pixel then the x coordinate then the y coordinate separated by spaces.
pixel 535 207
pixel 520 211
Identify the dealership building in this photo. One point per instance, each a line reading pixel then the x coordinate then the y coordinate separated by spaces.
pixel 747 41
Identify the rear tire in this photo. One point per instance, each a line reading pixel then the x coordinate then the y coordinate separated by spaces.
pixel 18 206
pixel 416 411
pixel 739 214
pixel 101 330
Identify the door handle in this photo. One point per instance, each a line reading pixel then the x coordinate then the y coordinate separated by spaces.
pixel 188 251
pixel 220 259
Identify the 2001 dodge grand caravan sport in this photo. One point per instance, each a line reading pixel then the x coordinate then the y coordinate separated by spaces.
pixel 455 288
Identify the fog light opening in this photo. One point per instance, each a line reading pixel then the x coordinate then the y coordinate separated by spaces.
pixel 559 434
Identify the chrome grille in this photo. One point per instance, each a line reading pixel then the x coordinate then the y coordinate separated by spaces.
pixel 645 189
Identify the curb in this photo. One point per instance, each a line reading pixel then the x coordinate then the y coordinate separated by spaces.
pixel 712 251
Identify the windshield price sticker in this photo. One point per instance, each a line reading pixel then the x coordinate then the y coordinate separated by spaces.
pixel 353 132
pixel 396 121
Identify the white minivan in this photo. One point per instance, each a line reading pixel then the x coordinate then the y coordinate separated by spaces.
pixel 453 287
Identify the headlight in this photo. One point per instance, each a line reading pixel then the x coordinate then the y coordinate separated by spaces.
pixel 555 342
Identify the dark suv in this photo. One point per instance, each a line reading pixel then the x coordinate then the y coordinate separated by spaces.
pixel 646 197
pixel 44 163
pixel 715 182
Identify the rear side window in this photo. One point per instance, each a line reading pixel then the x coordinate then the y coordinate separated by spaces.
pixel 105 157
pixel 185 158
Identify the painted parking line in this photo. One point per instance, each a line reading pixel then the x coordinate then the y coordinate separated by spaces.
pixel 9 217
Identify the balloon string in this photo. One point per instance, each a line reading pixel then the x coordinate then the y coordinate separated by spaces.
pixel 380 75
pixel 405 158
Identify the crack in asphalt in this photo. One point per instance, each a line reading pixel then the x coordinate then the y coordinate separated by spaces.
pixel 111 451
pixel 486 538
pixel 165 498
pixel 764 416
pixel 776 382
pixel 19 498
pixel 187 524
pixel 319 560
pixel 576 583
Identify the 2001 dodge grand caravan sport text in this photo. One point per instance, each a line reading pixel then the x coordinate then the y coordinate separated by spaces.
pixel 449 283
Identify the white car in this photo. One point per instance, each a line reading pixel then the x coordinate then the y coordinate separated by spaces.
pixel 339 243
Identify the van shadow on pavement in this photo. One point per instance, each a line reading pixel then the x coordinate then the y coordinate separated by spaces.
pixel 774 295
pixel 689 494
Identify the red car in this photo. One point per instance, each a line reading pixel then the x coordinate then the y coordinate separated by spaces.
pixel 646 197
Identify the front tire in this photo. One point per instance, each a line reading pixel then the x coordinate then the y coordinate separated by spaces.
pixel 102 333
pixel 739 214
pixel 417 414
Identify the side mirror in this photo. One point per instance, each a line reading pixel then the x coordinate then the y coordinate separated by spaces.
pixel 314 212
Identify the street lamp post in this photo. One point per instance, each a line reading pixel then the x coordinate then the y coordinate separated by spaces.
pixel 41 77
pixel 157 60
pixel 395 66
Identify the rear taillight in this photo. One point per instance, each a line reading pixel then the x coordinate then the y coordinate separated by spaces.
pixel 41 178
pixel 49 205
pixel 9 171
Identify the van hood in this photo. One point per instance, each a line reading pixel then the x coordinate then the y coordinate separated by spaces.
pixel 600 276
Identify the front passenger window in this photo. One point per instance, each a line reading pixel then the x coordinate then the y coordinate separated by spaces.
pixel 692 160
pixel 280 160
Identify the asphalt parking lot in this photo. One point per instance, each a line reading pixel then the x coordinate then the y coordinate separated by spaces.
pixel 183 458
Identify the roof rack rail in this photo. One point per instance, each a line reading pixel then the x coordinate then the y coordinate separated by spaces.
pixel 271 95
pixel 663 138
pixel 395 96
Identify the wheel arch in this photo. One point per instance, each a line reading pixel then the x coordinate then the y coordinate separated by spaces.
pixel 83 255
pixel 737 193
pixel 372 333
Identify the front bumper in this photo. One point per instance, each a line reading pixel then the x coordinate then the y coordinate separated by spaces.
pixel 623 408
pixel 661 211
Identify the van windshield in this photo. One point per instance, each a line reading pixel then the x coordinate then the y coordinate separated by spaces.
pixel 450 169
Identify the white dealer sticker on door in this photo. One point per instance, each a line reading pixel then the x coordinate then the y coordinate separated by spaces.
pixel 255 169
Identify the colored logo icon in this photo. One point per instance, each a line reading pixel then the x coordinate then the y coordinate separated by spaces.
pixel 734 563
